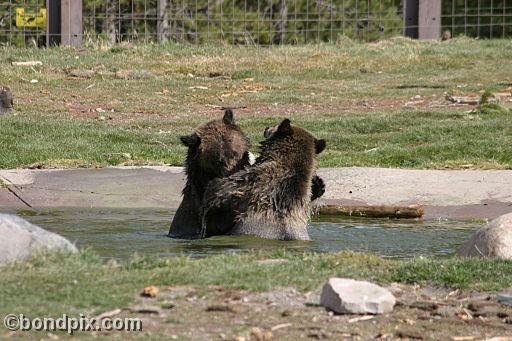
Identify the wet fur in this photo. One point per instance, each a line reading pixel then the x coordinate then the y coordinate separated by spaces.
pixel 272 198
pixel 216 149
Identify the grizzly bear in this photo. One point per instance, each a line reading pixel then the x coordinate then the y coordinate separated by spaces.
pixel 216 149
pixel 272 198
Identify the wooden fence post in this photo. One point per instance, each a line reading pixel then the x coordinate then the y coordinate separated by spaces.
pixel 429 19
pixel 422 19
pixel 71 22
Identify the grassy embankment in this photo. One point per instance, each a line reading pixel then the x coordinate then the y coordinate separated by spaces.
pixel 128 105
pixel 81 283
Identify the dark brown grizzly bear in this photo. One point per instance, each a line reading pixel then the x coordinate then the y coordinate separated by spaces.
pixel 272 198
pixel 216 149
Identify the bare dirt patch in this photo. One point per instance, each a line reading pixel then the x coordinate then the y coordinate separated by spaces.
pixel 421 313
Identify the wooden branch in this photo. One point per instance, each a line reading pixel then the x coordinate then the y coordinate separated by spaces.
pixel 412 211
pixel 30 63
pixel 463 100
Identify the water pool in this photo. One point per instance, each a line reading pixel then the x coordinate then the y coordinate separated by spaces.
pixel 118 233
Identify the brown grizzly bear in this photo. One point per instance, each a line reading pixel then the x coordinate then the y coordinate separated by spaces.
pixel 272 198
pixel 216 149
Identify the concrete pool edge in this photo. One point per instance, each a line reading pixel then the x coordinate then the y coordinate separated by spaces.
pixel 457 194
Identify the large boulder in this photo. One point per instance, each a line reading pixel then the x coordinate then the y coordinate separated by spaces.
pixel 20 239
pixel 493 240
pixel 348 296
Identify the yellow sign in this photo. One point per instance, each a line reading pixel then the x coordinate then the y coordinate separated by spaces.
pixel 30 19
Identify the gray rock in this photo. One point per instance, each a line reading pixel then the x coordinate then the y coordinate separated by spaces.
pixel 505 299
pixel 343 295
pixel 493 240
pixel 20 239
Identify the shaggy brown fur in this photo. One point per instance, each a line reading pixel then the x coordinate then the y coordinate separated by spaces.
pixel 216 149
pixel 272 198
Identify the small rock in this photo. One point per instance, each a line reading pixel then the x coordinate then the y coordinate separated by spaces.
pixel 493 240
pixel 258 334
pixel 356 297
pixel 504 299
pixel 20 239
pixel 150 291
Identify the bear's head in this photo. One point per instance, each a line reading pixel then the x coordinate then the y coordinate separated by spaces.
pixel 216 149
pixel 287 135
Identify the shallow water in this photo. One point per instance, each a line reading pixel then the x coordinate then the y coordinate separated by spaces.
pixel 118 233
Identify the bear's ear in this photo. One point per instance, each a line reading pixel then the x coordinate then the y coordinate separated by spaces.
pixel 284 128
pixel 191 140
pixel 319 146
pixel 228 117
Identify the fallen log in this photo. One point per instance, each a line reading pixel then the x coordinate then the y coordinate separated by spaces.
pixel 30 63
pixel 464 100
pixel 408 212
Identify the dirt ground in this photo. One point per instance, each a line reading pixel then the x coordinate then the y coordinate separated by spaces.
pixel 83 111
pixel 421 313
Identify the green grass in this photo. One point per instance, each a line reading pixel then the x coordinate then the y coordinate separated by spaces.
pixel 85 283
pixel 93 106
pixel 405 139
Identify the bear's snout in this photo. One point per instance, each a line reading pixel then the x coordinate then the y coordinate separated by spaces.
pixel 266 132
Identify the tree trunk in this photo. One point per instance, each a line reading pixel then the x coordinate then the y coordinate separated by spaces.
pixel 280 37
pixel 111 21
pixel 163 28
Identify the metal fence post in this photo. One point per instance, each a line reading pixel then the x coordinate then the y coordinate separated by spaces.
pixel 411 18
pixel 52 23
pixel 71 23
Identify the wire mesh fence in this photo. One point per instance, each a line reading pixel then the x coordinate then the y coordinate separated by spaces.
pixel 255 22
pixel 477 18
pixel 11 32
pixel 247 22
